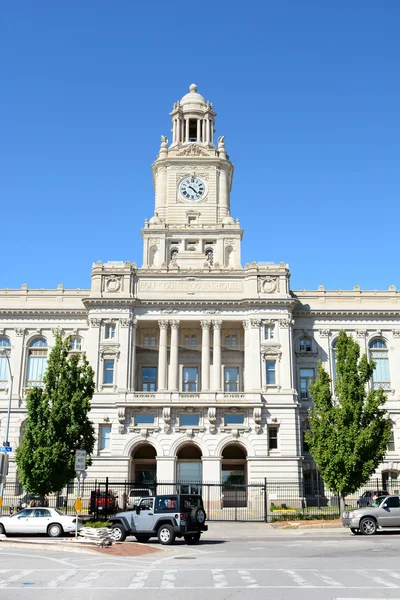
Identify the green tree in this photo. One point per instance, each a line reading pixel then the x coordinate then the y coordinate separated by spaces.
pixel 349 433
pixel 57 423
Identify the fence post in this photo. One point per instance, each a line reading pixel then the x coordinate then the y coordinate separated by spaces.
pixel 106 502
pixel 265 501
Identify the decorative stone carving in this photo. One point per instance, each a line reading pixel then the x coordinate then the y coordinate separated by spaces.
pixel 360 333
pixel 94 322
pixel 125 322
pixel 205 324
pixel 257 419
pixel 213 311
pixel 217 324
pixel 192 150
pixel 324 333
pixel 271 350
pixel 163 324
pixel 189 433
pixel 121 414
pixel 121 429
pixel 174 324
pixel 212 417
pixel 268 285
pixel 245 325
pixel 170 311
pixel 167 419
pixel 255 323
pixel 56 331
pixel 396 333
pixel 113 284
pixel 285 323
pixel 19 331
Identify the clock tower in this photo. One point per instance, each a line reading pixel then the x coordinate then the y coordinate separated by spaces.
pixel 192 227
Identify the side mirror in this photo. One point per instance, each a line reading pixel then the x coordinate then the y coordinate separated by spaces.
pixel 385 505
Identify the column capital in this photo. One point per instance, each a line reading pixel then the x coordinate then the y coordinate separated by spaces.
pixel 205 324
pixel 174 324
pixel 217 324
pixel 163 324
pixel 255 323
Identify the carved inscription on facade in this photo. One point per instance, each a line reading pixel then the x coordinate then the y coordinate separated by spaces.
pixel 191 286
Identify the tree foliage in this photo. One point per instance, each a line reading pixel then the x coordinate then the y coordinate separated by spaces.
pixel 349 434
pixel 57 423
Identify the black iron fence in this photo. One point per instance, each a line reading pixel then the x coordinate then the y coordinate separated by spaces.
pixel 268 500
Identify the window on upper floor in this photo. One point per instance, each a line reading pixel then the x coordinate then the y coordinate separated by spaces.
pixel 144 419
pixel 334 344
pixel 270 368
pixel 269 332
pixel 5 352
pixel 190 379
pixel 306 377
pixel 391 444
pixel 105 437
pixel 189 420
pixel 378 352
pixel 305 345
pixel 75 344
pixel 37 361
pixel 231 340
pixel 108 371
pixel 150 340
pixel 109 331
pixel 149 379
pixel 273 437
pixel 231 379
pixel 233 419
pixel 190 340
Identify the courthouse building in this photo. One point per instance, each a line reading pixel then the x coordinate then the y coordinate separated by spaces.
pixel 202 364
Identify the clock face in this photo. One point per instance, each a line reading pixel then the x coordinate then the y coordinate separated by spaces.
pixel 192 188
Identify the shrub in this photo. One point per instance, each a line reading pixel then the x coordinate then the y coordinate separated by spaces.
pixel 98 524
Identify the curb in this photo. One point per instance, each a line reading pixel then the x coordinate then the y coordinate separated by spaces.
pixel 297 525
pixel 48 546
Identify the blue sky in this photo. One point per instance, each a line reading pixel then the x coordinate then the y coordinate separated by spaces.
pixel 307 94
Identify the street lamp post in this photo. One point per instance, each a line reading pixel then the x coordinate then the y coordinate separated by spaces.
pixel 6 442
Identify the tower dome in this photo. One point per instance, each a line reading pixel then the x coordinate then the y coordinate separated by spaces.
pixel 193 120
pixel 193 100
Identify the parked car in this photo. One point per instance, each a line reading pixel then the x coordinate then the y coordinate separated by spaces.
pixel 102 502
pixel 135 496
pixel 383 513
pixel 369 496
pixel 39 520
pixel 166 517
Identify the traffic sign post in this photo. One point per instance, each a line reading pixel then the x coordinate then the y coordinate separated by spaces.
pixel 80 464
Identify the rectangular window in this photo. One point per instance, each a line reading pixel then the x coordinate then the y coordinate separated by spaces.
pixel 108 373
pixel 231 379
pixel 231 340
pixel 149 379
pixel 391 446
pixel 144 419
pixel 76 344
pixel 190 379
pixel 189 420
pixel 149 340
pixel 232 419
pixel 105 437
pixel 269 331
pixel 37 362
pixel 190 340
pixel 306 377
pixel 270 366
pixel 109 332
pixel 305 345
pixel 272 438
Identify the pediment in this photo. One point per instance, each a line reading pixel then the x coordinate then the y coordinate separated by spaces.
pixel 193 150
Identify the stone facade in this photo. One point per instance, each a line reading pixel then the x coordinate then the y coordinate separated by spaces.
pixel 201 364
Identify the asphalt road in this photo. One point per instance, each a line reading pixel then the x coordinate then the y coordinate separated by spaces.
pixel 295 565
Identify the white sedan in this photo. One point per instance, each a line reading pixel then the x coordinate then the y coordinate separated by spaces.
pixel 39 520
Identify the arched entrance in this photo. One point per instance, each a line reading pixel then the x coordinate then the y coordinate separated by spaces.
pixel 189 471
pixel 144 466
pixel 234 476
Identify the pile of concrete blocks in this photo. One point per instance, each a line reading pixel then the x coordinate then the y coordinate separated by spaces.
pixel 99 536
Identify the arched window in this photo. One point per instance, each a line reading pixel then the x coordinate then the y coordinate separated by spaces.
pixel 76 344
pixel 37 360
pixel 378 352
pixel 210 255
pixel 174 253
pixel 5 351
pixel 305 345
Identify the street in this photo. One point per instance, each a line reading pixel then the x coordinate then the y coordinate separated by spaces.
pixel 312 564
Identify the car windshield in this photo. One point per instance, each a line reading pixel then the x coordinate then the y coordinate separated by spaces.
pixel 59 512
pixel 377 502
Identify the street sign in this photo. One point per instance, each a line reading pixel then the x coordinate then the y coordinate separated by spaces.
pixel 80 460
pixel 78 505
pixel 5 449
pixel 82 474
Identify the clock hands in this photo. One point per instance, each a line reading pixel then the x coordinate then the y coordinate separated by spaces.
pixel 192 188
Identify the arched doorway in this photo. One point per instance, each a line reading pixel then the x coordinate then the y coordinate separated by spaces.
pixel 234 476
pixel 144 466
pixel 189 471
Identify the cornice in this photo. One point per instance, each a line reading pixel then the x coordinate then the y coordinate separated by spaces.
pixel 50 312
pixel 348 312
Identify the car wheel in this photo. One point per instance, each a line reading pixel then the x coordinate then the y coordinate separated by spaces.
pixel 118 532
pixel 2 530
pixel 355 531
pixel 368 526
pixel 198 516
pixel 192 539
pixel 142 538
pixel 54 530
pixel 166 535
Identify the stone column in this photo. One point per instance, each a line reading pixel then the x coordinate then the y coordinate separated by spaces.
pixel 198 130
pixel 174 357
pixel 217 354
pixel 205 356
pixel 123 366
pixel 252 358
pixel 162 356
pixel 186 130
pixel 132 381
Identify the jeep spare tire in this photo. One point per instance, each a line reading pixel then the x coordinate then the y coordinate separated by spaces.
pixel 198 515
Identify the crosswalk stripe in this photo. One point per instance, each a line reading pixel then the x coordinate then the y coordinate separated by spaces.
pixel 61 578
pixel 219 578
pixel 139 580
pixel 248 579
pixel 377 579
pixel 298 578
pixel 328 580
pixel 168 581
pixel 89 579
pixel 4 582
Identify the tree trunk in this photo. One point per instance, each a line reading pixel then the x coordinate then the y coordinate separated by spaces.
pixel 342 505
